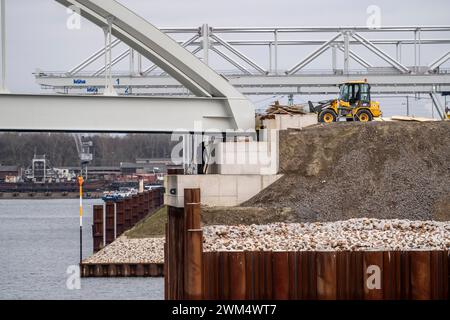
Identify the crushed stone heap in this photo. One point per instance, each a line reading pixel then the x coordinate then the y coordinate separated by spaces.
pixel 352 235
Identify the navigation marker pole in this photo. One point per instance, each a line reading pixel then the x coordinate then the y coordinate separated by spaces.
pixel 80 182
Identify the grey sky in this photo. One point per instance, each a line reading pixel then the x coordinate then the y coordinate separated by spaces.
pixel 38 37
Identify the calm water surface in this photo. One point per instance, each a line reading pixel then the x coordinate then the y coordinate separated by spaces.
pixel 39 240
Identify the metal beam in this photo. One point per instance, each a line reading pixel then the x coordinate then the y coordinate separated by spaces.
pixel 94 57
pixel 205 43
pixel 184 45
pixel 3 88
pixel 346 35
pixel 239 54
pixel 230 60
pixel 356 57
pixel 438 62
pixel 381 53
pixel 312 56
pixel 437 105
pixel 112 114
pixel 321 29
pixel 115 61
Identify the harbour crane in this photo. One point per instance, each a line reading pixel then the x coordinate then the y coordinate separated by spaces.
pixel 84 150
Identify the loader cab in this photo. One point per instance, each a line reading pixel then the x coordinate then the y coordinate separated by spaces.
pixel 354 94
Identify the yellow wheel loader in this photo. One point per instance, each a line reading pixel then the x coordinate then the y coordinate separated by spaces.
pixel 353 104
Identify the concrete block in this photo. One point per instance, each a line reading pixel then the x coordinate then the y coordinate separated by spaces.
pixel 227 185
pixel 217 190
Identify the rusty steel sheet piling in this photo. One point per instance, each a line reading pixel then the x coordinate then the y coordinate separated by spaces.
pixel 122 270
pixel 194 265
pixel 280 279
pixel 326 275
pixel 114 218
pixel 97 228
pixel 192 273
pixel 192 245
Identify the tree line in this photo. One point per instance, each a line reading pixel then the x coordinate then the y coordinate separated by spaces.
pixel 60 148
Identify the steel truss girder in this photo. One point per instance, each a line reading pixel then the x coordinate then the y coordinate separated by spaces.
pixel 295 84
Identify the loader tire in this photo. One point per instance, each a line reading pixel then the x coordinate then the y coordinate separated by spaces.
pixel 327 116
pixel 363 116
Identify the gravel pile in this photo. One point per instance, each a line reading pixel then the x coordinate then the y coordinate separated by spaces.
pixel 353 235
pixel 383 170
pixel 125 250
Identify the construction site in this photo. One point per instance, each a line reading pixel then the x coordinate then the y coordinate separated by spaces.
pixel 329 195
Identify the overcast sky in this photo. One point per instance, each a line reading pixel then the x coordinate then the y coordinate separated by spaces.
pixel 38 36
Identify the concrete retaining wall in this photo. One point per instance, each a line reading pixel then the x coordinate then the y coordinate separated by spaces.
pixel 216 190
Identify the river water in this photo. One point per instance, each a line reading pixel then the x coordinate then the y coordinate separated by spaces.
pixel 39 241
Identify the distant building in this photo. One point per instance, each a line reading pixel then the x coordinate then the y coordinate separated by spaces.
pixel 155 165
pixel 129 168
pixel 40 170
pixel 99 172
pixel 9 173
